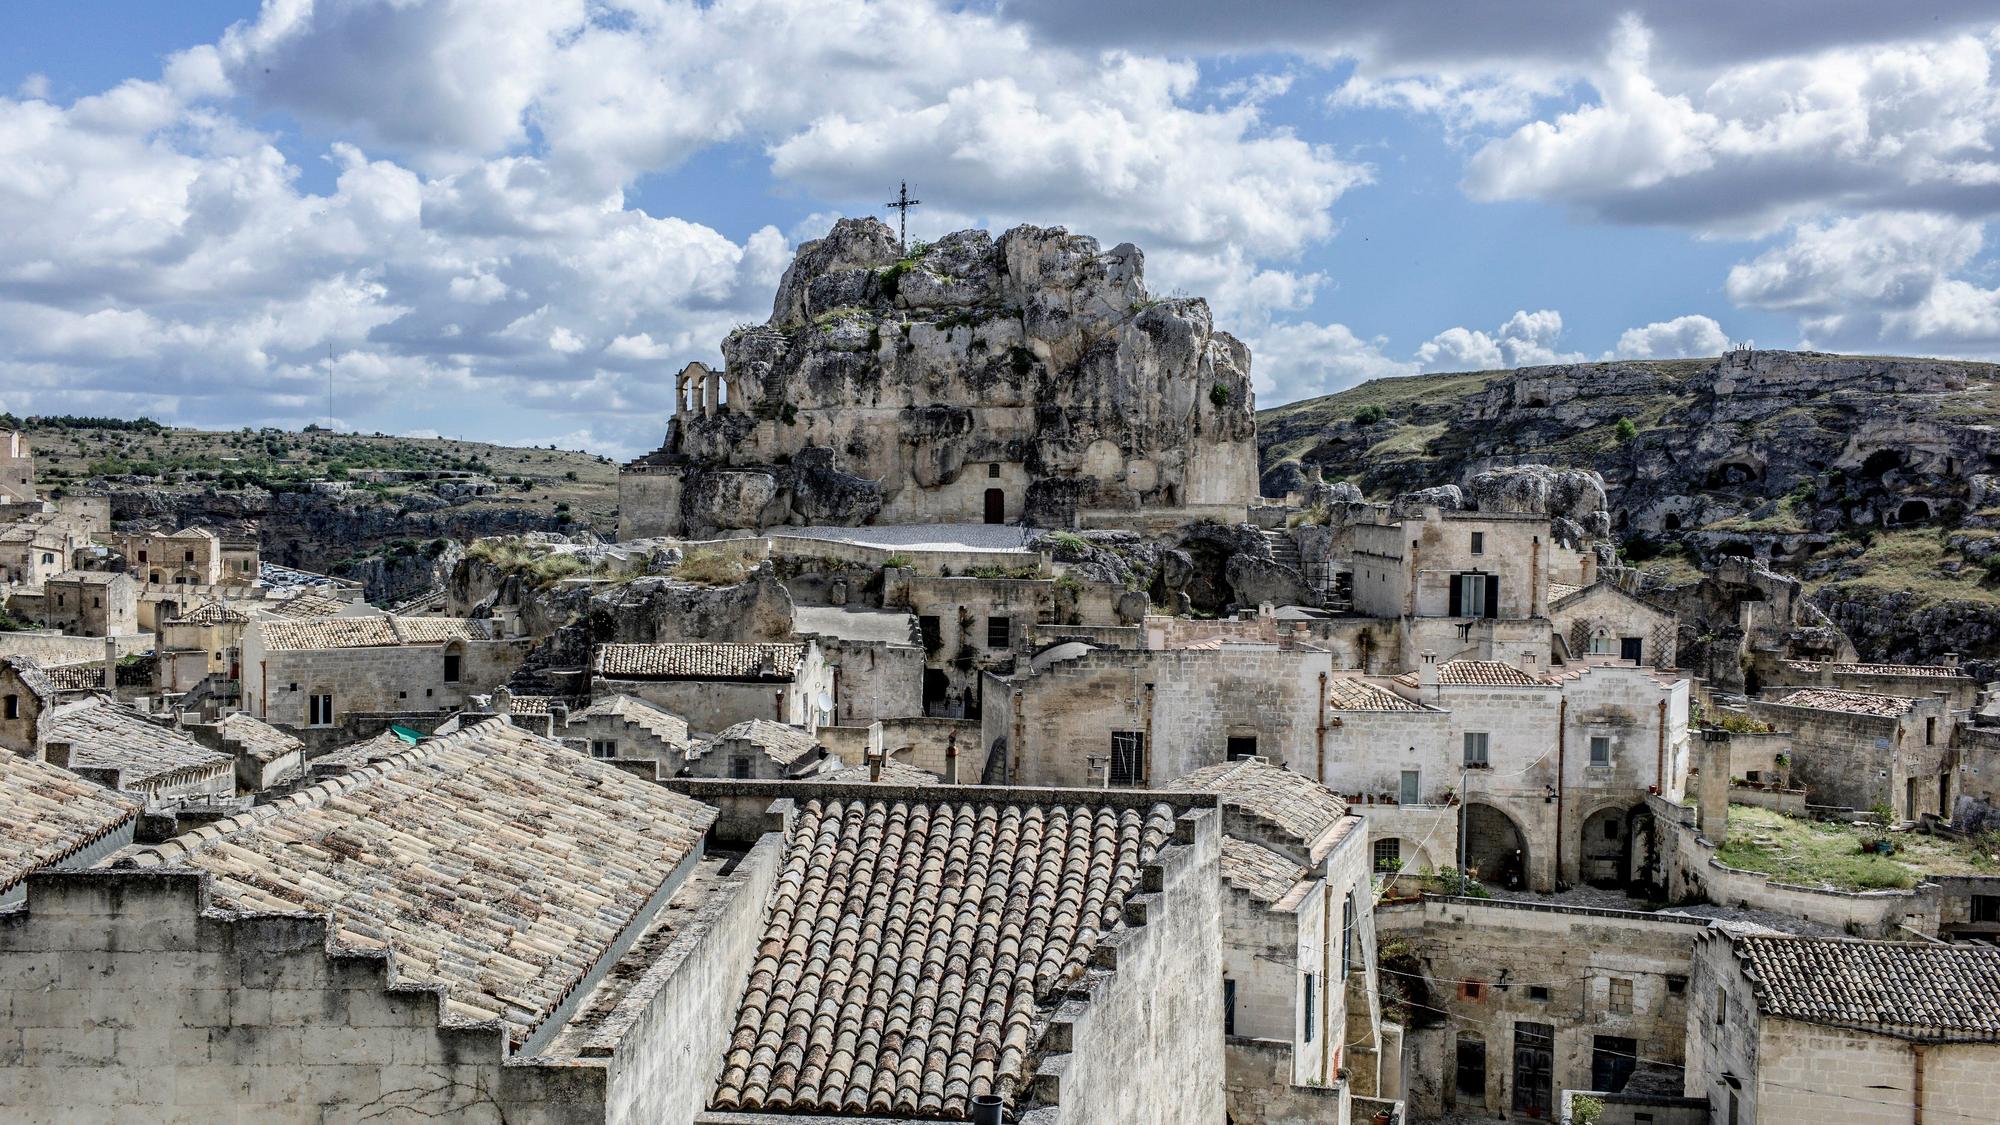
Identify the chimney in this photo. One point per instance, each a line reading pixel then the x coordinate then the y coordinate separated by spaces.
pixel 1826 673
pixel 951 759
pixel 1712 787
pixel 875 765
pixel 56 754
pixel 1588 569
pixel 1530 664
pixel 110 664
pixel 1427 669
pixel 1951 660
pixel 503 702
pixel 986 1110
pixel 558 718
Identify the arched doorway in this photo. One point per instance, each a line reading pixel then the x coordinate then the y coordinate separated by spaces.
pixel 996 506
pixel 1495 851
pixel 1605 848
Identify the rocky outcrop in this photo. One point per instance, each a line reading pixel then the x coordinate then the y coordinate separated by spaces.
pixel 893 388
pixel 1256 582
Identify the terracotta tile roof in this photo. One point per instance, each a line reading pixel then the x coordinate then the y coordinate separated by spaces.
pixel 893 773
pixel 1935 671
pixel 368 632
pixel 1359 695
pixel 913 948
pixel 1851 702
pixel 530 704
pixel 211 613
pixel 1258 871
pixel 1303 808
pixel 663 725
pixel 1929 991
pixel 49 814
pixel 87 577
pixel 259 739
pixel 495 863
pixel 33 676
pixel 304 607
pixel 1478 673
pixel 355 755
pixel 104 735
pixel 700 661
pixel 780 742
pixel 76 677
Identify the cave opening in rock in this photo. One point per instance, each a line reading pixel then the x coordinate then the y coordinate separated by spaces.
pixel 1913 511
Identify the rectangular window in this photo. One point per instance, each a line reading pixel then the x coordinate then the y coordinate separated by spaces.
pixel 1388 855
pixel 1930 731
pixel 933 631
pixel 1600 749
pixel 603 748
pixel 739 767
pixel 1311 1008
pixel 1613 1058
pixel 452 662
pixel 1242 746
pixel 319 710
pixel 1721 1007
pixel 1676 985
pixel 1471 595
pixel 1412 787
pixel 1985 908
pixel 13 706
pixel 1538 992
pixel 1478 542
pixel 999 632
pixel 1621 996
pixel 1228 1006
pixel 1128 757
pixel 1475 749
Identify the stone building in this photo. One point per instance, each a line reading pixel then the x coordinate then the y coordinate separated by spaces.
pixel 39 547
pixel 191 556
pixel 51 818
pixel 1466 585
pixel 1391 757
pixel 1861 751
pixel 122 749
pixel 205 640
pixel 968 626
pixel 91 603
pixel 622 728
pixel 1911 681
pixel 875 658
pixel 713 686
pixel 17 468
pixel 1029 377
pixel 1066 962
pixel 26 696
pixel 1603 621
pixel 264 967
pixel 266 757
pixel 1785 1029
pixel 1298 944
pixel 1513 1002
pixel 316 673
pixel 756 749
pixel 1080 716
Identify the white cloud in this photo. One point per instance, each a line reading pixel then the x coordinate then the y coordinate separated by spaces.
pixel 1526 339
pixel 1296 360
pixel 1883 278
pixel 1679 338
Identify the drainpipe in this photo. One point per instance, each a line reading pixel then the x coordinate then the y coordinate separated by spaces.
pixel 1319 734
pixel 1536 592
pixel 1147 761
pixel 986 1109
pixel 1014 750
pixel 1562 749
pixel 263 688
pixel 1410 596
pixel 1917 1081
pixel 1660 755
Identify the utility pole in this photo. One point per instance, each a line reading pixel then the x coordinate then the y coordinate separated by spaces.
pixel 901 205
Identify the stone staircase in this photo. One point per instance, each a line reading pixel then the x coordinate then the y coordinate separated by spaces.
pixel 1283 550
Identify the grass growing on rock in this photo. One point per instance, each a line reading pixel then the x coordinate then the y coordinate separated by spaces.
pixel 537 566
pixel 1822 854
pixel 713 568
pixel 1918 562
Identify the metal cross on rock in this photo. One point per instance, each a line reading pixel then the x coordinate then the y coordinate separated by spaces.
pixel 902 204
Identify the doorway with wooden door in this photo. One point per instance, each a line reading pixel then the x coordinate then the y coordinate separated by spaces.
pixel 996 506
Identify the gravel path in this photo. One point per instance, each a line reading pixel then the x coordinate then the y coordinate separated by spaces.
pixel 920 537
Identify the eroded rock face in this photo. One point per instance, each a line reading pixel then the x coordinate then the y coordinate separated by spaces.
pixel 1035 366
pixel 1258 582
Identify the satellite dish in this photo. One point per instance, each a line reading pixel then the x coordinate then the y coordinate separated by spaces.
pixel 824 703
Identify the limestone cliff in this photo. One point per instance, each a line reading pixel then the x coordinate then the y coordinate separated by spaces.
pixel 1025 378
pixel 1872 480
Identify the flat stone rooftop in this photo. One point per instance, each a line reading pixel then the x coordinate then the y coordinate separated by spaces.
pixel 919 537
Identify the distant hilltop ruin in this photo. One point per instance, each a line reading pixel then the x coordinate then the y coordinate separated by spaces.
pixel 1025 379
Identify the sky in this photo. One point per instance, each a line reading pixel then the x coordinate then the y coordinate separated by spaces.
pixel 514 220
